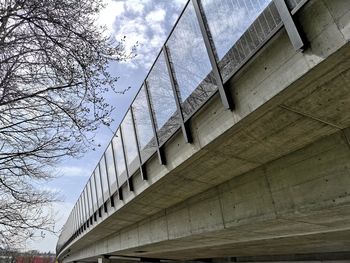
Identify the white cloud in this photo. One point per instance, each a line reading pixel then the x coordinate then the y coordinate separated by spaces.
pixel 108 15
pixel 135 6
pixel 157 15
pixel 73 171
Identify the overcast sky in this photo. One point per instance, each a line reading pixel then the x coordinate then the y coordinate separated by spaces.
pixel 147 22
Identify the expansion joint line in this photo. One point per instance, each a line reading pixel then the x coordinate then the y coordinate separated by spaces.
pixel 309 116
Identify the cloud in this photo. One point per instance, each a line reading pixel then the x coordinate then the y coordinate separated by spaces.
pixel 109 13
pixel 146 23
pixel 73 171
pixel 156 16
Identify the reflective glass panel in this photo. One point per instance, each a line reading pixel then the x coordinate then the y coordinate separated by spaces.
pixel 93 192
pixel 104 176
pixel 237 28
pixel 143 125
pixel 81 210
pixel 88 187
pixel 190 63
pixel 98 185
pixel 162 100
pixel 119 158
pixel 130 143
pixel 83 207
pixel 86 201
pixel 86 211
pixel 76 220
pixel 76 217
pixel 110 166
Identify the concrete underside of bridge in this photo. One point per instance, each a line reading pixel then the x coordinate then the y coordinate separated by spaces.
pixel 271 177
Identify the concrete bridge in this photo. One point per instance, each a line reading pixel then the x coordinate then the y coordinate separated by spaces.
pixel 240 154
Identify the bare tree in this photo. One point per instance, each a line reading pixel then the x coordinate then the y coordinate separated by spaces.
pixel 53 75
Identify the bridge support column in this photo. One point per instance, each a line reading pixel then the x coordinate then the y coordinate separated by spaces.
pixel 103 260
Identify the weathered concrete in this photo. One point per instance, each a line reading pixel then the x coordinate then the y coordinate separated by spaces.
pixel 267 178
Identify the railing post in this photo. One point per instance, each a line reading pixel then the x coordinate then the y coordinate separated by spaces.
pixel 74 220
pixel 88 201
pixel 160 152
pixel 120 193
pixel 82 211
pixel 102 194
pixel 109 187
pixel 92 200
pixel 225 95
pixel 97 203
pixel 142 167
pixel 289 24
pixel 184 126
pixel 130 184
pixel 79 216
pixel 84 208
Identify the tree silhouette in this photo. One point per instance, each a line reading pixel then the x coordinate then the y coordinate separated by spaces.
pixel 53 76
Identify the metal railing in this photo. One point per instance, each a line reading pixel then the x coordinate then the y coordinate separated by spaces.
pixel 210 42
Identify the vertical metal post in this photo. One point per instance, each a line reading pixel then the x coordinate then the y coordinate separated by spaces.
pixel 76 226
pixel 225 95
pixel 82 225
pixel 85 209
pixel 130 184
pixel 289 24
pixel 92 201
pixel 184 126
pixel 74 220
pixel 109 187
pixel 79 215
pixel 102 190
pixel 120 193
pixel 97 203
pixel 88 201
pixel 160 152
pixel 142 167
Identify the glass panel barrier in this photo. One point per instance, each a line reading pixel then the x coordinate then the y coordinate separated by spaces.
pixel 75 218
pixel 88 187
pixel 112 175
pixel 86 206
pixel 130 143
pixel 143 125
pixel 83 207
pixel 162 100
pixel 237 28
pixel 104 178
pixel 98 187
pixel 86 211
pixel 119 158
pixel 81 211
pixel 93 192
pixel 190 63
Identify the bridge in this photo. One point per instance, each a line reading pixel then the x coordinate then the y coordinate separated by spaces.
pixel 236 147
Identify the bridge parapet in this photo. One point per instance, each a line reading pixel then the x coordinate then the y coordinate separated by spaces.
pixel 197 64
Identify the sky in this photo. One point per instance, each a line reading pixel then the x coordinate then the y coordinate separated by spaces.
pixel 148 23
